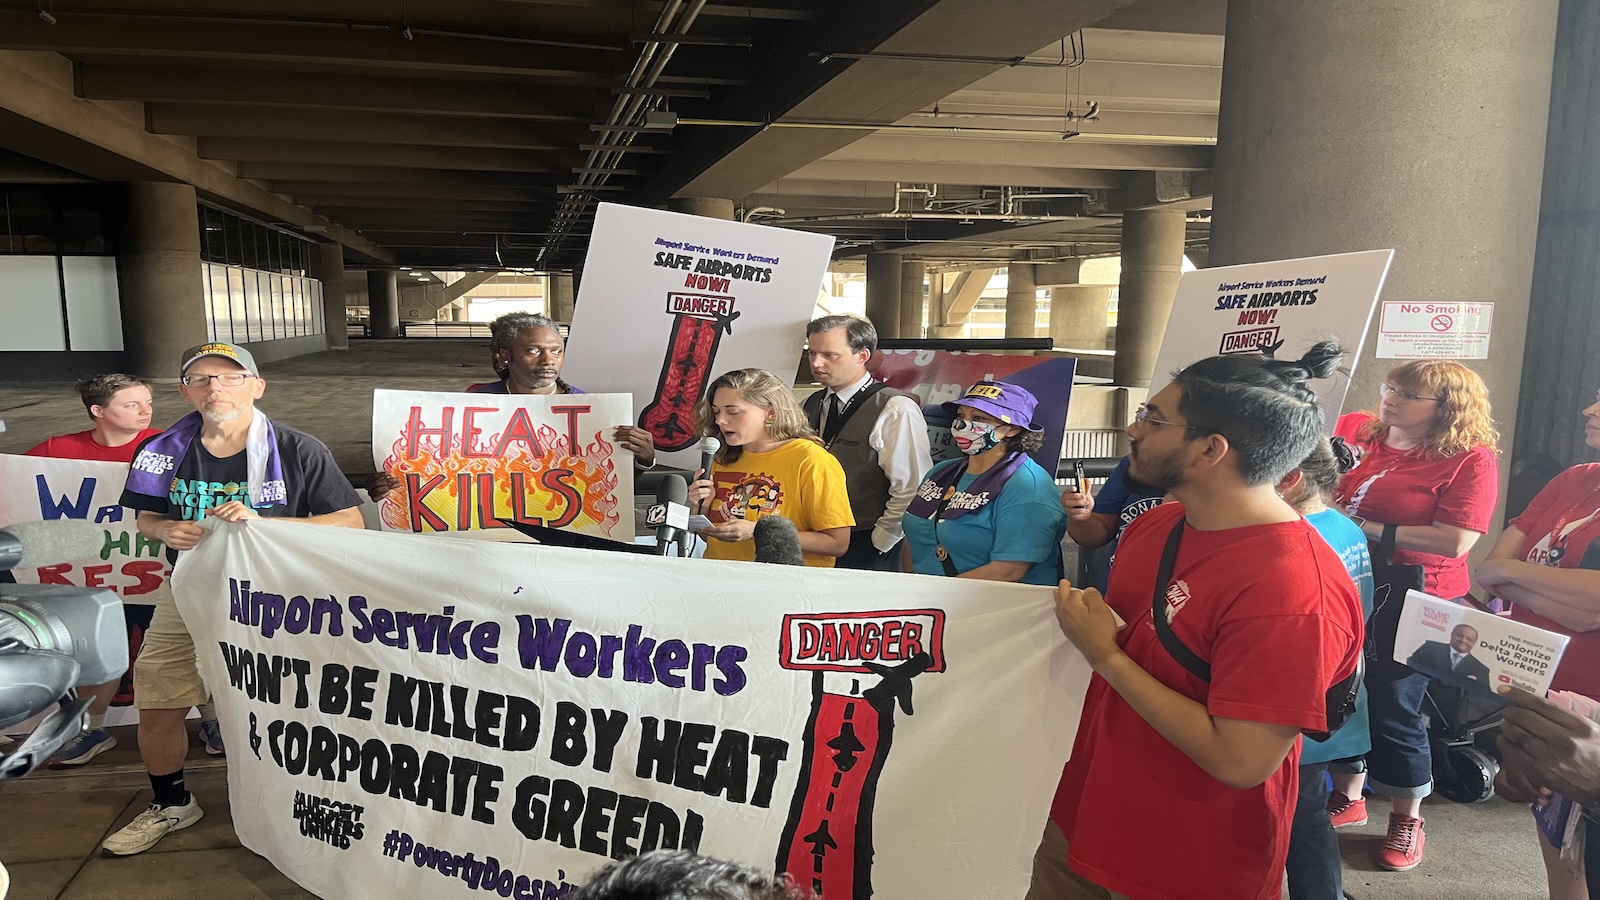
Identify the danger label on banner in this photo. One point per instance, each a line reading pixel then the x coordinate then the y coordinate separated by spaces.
pixel 1435 330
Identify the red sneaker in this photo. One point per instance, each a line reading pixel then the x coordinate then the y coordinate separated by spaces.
pixel 1346 812
pixel 1402 846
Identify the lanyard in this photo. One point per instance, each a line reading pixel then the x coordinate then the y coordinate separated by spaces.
pixel 1558 540
pixel 846 410
pixel 938 547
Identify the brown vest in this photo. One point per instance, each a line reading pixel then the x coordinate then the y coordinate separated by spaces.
pixel 864 478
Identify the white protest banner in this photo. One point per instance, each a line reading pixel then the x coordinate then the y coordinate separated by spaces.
pixel 466 461
pixel 670 301
pixel 447 718
pixel 1416 330
pixel 1475 650
pixel 37 489
pixel 1280 308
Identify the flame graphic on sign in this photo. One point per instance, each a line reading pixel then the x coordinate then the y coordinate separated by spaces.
pixel 588 472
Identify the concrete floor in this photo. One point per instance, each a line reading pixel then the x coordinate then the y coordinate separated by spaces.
pixel 51 824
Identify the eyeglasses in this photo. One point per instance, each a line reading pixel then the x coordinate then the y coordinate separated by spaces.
pixel 230 379
pixel 1143 417
pixel 1389 390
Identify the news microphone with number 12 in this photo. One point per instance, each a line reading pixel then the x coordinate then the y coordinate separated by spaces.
pixel 708 451
pixel 670 513
pixel 778 542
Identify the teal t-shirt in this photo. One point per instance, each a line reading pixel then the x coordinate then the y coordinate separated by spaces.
pixel 1346 539
pixel 1024 524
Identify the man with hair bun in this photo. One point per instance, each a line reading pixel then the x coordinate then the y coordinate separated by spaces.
pixel 1196 761
pixel 120 406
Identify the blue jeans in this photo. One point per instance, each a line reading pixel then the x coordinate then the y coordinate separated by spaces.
pixel 1313 866
pixel 1400 764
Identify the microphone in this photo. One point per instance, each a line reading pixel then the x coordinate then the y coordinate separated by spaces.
pixel 778 542
pixel 670 512
pixel 28 545
pixel 708 449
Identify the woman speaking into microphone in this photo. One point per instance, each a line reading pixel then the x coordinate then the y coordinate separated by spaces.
pixel 994 513
pixel 771 463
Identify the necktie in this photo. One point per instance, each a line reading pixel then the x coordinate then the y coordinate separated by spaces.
pixel 830 428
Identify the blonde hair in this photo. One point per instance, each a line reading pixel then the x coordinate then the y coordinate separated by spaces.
pixel 759 388
pixel 1462 420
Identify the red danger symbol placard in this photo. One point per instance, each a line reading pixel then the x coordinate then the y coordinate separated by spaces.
pixel 1443 323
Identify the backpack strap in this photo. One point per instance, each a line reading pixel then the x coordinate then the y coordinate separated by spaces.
pixel 1180 651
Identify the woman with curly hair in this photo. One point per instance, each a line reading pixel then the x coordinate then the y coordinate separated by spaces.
pixel 1428 472
pixel 771 463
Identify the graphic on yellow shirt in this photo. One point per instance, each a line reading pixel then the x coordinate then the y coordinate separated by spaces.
pixel 743 495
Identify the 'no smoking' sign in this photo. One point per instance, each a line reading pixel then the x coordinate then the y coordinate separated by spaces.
pixel 1434 330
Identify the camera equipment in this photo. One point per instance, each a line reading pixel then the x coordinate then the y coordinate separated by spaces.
pixel 53 637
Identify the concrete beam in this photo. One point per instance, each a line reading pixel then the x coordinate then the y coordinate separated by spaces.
pixel 1176 16
pixel 456 290
pixel 956 304
pixel 911 168
pixel 258 122
pixel 314 152
pixel 355 173
pixel 41 119
pixel 1050 153
pixel 153 83
pixel 381 191
pixel 268 42
pixel 727 162
pixel 400 201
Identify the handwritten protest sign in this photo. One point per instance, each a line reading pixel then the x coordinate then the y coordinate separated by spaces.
pixel 36 489
pixel 467 461
pixel 700 297
pixel 397 723
pixel 1475 650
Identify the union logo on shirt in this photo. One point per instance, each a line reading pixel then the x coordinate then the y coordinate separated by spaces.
pixel 1177 596
pixel 751 495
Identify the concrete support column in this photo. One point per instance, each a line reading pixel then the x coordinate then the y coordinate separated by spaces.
pixel 159 278
pixel 883 293
pixel 1078 315
pixel 1022 302
pixel 383 304
pixel 1411 166
pixel 560 297
pixel 710 207
pixel 913 272
pixel 330 271
pixel 1152 261
pixel 1564 315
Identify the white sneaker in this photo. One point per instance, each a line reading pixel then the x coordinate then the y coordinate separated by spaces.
pixel 151 826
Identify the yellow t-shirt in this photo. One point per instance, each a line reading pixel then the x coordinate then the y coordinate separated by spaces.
pixel 798 480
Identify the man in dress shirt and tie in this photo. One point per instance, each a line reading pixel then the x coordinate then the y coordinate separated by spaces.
pixel 876 432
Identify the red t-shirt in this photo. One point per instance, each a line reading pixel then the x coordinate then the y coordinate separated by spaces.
pixel 1273 610
pixel 82 446
pixel 1407 487
pixel 1570 503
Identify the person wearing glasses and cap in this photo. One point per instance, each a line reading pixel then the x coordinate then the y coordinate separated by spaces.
pixel 994 513
pixel 226 460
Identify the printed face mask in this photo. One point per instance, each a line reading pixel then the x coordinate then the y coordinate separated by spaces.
pixel 973 438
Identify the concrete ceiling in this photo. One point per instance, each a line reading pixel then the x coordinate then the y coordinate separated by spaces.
pixel 450 133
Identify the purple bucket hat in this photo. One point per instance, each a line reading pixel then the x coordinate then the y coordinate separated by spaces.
pixel 1009 403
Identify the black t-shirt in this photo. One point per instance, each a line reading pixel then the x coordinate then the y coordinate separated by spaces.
pixel 312 482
